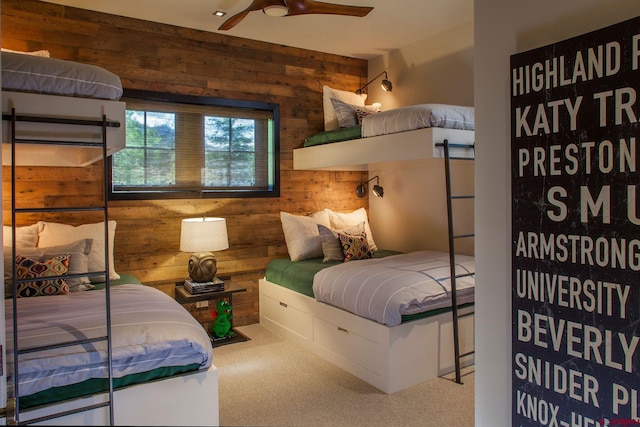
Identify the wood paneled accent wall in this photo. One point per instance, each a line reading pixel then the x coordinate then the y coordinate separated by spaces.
pixel 158 57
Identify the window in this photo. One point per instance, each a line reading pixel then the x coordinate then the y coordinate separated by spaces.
pixel 196 147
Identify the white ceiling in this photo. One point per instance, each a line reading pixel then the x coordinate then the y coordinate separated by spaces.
pixel 392 24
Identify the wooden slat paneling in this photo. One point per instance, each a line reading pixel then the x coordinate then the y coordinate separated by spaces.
pixel 165 58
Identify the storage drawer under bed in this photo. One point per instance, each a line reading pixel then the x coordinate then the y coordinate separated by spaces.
pixel 285 310
pixel 347 344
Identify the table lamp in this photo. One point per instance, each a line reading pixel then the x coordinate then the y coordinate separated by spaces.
pixel 202 236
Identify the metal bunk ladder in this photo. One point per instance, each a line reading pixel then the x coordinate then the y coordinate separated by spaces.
pixel 104 124
pixel 452 251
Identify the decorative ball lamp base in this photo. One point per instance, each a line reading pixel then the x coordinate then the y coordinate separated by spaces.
pixel 202 267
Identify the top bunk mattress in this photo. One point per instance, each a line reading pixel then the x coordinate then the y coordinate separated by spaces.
pixel 37 74
pixel 400 120
pixel 418 117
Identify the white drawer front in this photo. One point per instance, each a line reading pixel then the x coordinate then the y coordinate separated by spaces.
pixel 353 347
pixel 287 316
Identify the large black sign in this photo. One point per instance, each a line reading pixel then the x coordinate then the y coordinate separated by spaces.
pixel 575 150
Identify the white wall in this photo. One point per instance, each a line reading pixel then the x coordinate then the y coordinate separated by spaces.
pixel 413 213
pixel 503 28
pixel 438 69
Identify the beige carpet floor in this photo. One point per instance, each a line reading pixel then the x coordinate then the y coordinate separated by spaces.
pixel 269 381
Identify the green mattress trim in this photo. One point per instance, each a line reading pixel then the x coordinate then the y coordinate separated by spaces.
pixel 336 135
pixel 100 385
pixel 435 312
pixel 124 279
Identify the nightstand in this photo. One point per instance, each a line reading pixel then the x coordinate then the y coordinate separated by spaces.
pixel 202 304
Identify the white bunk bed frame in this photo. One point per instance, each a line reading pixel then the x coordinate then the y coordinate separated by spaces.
pixel 389 358
pixel 51 152
pixel 358 154
pixel 185 400
pixel 190 399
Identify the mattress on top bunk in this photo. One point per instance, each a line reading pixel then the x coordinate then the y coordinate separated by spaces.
pixel 152 337
pixel 403 287
pixel 37 74
pixel 418 117
pixel 400 120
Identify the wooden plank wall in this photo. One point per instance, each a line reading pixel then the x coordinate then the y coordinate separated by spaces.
pixel 166 58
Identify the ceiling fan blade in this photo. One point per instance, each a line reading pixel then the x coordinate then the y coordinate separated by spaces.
pixel 308 7
pixel 233 21
pixel 255 5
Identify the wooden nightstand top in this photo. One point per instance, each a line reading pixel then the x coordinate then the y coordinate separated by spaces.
pixel 183 296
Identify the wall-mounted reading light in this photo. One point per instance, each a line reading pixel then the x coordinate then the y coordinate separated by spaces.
pixel 386 84
pixel 361 190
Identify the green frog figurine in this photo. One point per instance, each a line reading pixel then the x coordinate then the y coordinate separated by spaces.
pixel 222 324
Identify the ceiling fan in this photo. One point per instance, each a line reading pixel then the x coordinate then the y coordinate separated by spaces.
pixel 295 7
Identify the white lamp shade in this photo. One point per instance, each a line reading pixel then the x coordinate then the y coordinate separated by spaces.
pixel 204 235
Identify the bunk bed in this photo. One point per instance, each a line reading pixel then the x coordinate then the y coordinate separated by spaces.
pixel 127 377
pixel 403 134
pixel 40 86
pixel 392 356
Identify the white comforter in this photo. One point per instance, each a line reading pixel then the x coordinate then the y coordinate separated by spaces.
pixel 149 330
pixel 384 289
pixel 418 117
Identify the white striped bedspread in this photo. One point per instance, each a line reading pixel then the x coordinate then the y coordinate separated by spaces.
pixel 417 117
pixel 149 330
pixel 384 289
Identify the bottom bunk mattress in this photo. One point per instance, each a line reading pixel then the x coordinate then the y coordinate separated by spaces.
pixel 390 288
pixel 152 337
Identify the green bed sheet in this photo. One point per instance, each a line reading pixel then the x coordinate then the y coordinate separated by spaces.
pixel 336 135
pixel 125 279
pixel 298 275
pixel 100 385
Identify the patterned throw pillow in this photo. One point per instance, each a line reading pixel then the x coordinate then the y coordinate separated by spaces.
pixel 360 114
pixel 28 268
pixel 354 246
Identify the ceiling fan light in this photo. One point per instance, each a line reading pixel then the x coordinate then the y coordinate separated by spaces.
pixel 276 10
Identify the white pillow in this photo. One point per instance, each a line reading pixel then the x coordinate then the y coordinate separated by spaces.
pixel 343 221
pixel 302 236
pixel 78 262
pixel 54 234
pixel 26 236
pixel 43 53
pixel 330 118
